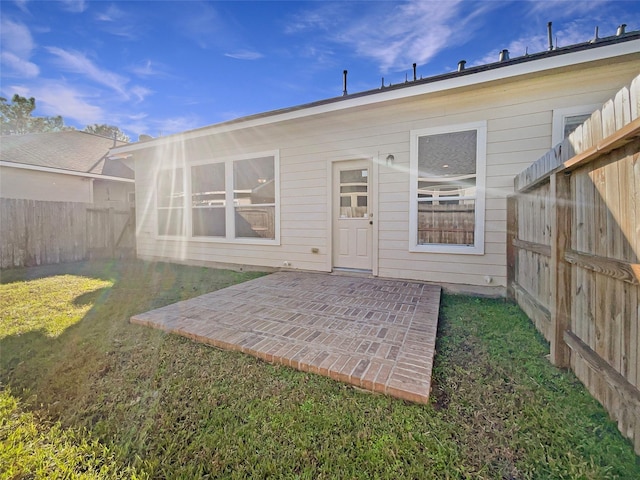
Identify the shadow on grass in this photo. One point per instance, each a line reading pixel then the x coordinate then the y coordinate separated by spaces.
pixel 92 298
pixel 492 377
pixel 100 363
pixel 137 287
pixel 103 270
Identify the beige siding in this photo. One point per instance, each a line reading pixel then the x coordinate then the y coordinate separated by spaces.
pixel 519 124
pixel 106 192
pixel 45 186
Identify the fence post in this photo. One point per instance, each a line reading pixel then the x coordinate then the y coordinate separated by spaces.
pixel 560 269
pixel 512 233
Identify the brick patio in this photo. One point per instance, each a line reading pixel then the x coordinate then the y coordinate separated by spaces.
pixel 376 334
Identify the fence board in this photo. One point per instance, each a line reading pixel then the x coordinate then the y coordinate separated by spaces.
pixel 622 108
pixel 634 98
pixel 617 269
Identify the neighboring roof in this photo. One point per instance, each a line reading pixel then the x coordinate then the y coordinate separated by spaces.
pixel 601 49
pixel 73 151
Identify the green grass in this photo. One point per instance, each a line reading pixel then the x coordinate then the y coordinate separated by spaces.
pixel 49 304
pixel 85 394
pixel 33 447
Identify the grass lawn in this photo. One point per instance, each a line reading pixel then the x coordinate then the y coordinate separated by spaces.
pixel 85 394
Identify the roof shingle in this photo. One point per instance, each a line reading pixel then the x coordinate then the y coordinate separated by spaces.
pixel 69 150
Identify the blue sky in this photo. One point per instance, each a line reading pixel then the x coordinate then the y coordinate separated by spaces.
pixel 166 66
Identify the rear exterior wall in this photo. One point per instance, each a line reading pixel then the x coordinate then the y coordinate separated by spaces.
pixel 44 186
pixel 518 115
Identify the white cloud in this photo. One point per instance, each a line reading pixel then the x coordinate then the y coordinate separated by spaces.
pixel 148 69
pixel 22 5
pixel 111 14
pixel 168 126
pixel 17 47
pixel 16 38
pixel 412 32
pixel 77 62
pixel 22 67
pixel 117 22
pixel 566 8
pixel 244 55
pixel 574 32
pixel 321 18
pixel 140 92
pixel 141 124
pixel 58 98
pixel 571 34
pixel 395 35
pixel 137 116
pixel 202 24
pixel 74 6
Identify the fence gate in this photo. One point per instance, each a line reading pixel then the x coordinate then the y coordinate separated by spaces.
pixel 110 233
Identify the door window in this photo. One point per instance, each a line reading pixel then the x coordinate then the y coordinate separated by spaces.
pixel 354 193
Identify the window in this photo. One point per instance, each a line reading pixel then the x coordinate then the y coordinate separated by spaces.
pixel 572 122
pixel 447 189
pixel 566 120
pixel 254 198
pixel 171 202
pixel 231 200
pixel 208 200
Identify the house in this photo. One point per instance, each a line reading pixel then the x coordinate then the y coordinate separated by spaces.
pixel 405 181
pixel 67 166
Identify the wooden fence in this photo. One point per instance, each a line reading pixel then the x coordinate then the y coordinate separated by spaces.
pixel 572 254
pixel 40 233
pixel 448 223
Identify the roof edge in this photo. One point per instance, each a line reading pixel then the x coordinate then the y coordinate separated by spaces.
pixel 75 173
pixel 610 47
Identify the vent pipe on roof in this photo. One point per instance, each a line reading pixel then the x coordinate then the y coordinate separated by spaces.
pixel 461 65
pixel 621 30
pixel 414 72
pixel 504 55
pixel 344 83
pixel 595 36
pixel 550 35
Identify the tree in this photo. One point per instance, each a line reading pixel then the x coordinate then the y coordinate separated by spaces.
pixel 16 119
pixel 107 131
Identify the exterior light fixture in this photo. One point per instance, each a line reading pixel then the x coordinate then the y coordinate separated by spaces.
pixel 390 159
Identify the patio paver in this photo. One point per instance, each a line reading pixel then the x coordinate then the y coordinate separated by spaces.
pixel 373 333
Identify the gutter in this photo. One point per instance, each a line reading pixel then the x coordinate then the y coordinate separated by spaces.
pixel 25 166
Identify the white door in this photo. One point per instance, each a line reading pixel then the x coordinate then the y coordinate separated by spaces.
pixel 352 218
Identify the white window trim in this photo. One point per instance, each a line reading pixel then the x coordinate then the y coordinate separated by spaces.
pixel 481 156
pixel 560 115
pixel 230 237
pixel 157 203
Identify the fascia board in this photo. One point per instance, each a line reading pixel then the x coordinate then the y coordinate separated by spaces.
pixel 24 166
